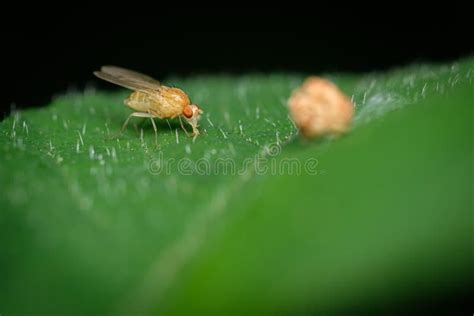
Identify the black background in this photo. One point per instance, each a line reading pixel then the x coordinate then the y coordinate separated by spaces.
pixel 49 54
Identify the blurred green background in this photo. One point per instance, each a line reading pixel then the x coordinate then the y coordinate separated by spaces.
pixel 92 225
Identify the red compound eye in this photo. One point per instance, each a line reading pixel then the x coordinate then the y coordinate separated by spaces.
pixel 188 111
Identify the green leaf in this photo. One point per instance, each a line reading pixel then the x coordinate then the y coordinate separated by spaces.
pixel 226 223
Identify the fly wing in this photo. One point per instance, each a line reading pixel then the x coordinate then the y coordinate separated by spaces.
pixel 122 72
pixel 127 78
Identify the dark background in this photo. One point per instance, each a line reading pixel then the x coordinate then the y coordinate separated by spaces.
pixel 49 54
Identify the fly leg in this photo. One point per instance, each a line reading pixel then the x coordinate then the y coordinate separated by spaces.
pixel 123 126
pixel 139 114
pixel 182 126
pixel 155 129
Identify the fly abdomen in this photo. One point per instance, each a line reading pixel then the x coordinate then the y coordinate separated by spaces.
pixel 139 101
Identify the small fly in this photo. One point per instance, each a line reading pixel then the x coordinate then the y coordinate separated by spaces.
pixel 151 99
